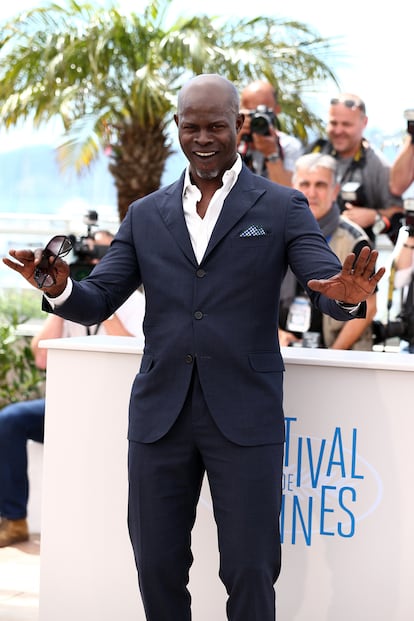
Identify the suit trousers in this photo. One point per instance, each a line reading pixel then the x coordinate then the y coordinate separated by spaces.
pixel 165 479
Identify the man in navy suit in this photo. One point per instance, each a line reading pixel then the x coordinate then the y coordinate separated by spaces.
pixel 211 251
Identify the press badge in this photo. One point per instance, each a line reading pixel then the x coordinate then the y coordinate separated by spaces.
pixel 299 316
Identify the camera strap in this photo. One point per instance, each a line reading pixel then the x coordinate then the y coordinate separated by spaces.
pixel 358 161
pixel 94 331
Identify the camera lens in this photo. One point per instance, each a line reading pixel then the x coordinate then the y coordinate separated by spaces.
pixel 260 125
pixel 409 114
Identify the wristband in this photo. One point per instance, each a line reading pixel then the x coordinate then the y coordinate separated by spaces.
pixel 349 307
pixel 273 157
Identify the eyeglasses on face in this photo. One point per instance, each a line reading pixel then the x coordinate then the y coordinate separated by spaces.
pixel 349 103
pixel 58 246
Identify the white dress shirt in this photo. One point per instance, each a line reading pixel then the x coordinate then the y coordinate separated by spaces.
pixel 200 229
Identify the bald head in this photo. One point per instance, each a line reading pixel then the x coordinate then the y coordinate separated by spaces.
pixel 259 93
pixel 201 86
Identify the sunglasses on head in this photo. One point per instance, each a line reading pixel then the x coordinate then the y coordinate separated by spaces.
pixel 349 103
pixel 58 246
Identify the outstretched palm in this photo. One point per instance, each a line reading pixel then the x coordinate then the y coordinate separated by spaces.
pixel 355 282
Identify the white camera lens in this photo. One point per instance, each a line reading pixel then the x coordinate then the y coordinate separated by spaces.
pixel 409 114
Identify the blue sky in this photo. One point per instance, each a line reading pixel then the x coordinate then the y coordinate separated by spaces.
pixel 375 43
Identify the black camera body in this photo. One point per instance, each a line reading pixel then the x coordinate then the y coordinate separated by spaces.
pixel 262 119
pixel 353 192
pixel 84 251
pixel 402 327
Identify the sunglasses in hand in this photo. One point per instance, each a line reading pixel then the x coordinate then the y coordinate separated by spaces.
pixel 58 246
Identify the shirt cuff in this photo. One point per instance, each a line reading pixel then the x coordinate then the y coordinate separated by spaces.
pixel 60 299
pixel 352 309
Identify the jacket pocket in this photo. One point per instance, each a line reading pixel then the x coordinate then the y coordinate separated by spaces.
pixel 266 362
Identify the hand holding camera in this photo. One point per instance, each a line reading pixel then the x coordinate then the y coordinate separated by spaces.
pixel 262 120
pixel 259 133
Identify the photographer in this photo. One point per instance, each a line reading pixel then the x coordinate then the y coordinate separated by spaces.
pixel 363 173
pixel 403 262
pixel 268 151
pixel 402 170
pixel 402 271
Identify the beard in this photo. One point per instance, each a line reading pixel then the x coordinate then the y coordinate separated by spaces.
pixel 208 175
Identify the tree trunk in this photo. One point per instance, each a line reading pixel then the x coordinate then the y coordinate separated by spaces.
pixel 137 163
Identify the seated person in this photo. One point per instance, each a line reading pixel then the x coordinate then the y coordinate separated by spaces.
pixel 315 177
pixel 20 422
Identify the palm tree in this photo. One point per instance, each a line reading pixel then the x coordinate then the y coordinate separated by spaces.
pixel 112 78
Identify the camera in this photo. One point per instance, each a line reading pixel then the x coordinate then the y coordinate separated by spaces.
pixel 353 192
pixel 409 116
pixel 402 327
pixel 262 119
pixel 85 249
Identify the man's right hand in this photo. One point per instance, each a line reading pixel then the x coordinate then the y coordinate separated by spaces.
pixel 25 262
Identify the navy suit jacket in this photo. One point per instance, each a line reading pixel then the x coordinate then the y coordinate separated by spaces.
pixel 221 314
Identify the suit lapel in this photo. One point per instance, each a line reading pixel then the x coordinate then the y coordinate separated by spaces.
pixel 171 210
pixel 241 198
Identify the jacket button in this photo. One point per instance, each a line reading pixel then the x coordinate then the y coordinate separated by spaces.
pixel 189 359
pixel 198 315
pixel 200 273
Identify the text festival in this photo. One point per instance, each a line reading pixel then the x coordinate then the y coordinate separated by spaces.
pixel 320 485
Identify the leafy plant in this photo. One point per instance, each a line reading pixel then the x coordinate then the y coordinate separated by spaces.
pixel 20 379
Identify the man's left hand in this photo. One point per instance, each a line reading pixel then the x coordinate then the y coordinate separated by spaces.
pixel 355 282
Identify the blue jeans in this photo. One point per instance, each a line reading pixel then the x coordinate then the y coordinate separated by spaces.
pixel 19 422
